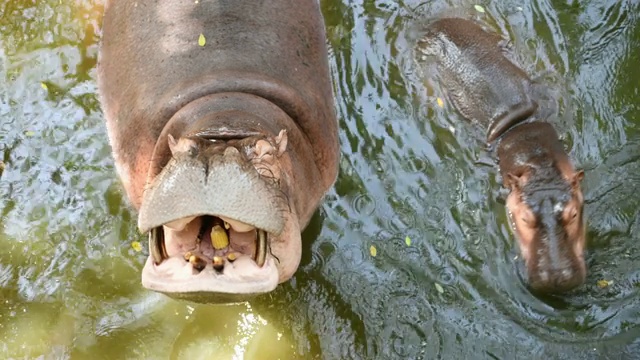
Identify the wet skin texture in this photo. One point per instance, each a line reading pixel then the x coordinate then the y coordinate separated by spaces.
pixel 482 84
pixel 545 202
pixel 239 133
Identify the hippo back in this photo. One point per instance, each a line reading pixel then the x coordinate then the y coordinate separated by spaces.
pixel 482 84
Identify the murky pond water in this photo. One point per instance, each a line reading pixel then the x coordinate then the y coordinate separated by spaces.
pixel 444 280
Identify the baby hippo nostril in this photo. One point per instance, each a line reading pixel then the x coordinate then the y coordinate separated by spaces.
pixel 557 280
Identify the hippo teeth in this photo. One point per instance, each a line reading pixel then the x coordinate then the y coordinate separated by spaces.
pixel 261 241
pixel 220 237
pixel 156 245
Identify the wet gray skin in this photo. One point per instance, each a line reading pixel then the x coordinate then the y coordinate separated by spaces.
pixel 545 202
pixel 480 81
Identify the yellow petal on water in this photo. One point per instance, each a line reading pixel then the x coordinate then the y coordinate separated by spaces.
pixel 479 8
pixel 44 86
pixel 136 246
pixel 604 283
pixel 373 251
pixel 439 288
pixel 407 240
pixel 29 133
pixel 202 40
pixel 440 102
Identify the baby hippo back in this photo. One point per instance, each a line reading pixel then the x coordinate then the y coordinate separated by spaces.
pixel 482 84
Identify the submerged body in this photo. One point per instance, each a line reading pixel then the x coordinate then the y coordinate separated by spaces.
pixel 219 113
pixel 545 202
pixel 481 83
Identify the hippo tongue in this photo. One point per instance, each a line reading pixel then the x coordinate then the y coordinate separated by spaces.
pixel 227 186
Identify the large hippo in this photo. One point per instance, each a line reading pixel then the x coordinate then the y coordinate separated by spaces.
pixel 545 202
pixel 221 118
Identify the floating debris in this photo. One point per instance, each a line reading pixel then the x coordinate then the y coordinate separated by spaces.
pixel 407 240
pixel 439 288
pixel 202 40
pixel 479 8
pixel 136 246
pixel 604 283
pixel 373 251
pixel 440 102
pixel 44 86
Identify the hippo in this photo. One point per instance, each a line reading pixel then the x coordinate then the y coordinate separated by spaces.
pixel 544 202
pixel 222 124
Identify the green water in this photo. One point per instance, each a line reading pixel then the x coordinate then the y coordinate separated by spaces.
pixel 70 277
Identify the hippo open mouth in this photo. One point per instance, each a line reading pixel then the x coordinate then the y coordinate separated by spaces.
pixel 212 214
pixel 210 254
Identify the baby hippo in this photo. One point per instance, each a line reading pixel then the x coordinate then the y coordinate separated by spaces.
pixel 545 202
pixel 544 205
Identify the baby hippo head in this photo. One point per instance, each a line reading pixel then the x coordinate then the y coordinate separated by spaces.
pixel 545 209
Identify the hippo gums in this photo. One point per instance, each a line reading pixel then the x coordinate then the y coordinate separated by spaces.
pixel 222 124
pixel 545 202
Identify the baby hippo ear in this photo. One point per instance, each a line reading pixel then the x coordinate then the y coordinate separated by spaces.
pixel 514 182
pixel 577 178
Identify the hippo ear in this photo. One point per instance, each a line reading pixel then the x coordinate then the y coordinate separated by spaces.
pixel 577 178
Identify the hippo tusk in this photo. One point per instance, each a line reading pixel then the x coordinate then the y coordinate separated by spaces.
pixel 156 245
pixel 261 248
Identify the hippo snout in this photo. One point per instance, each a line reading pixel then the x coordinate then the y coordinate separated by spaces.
pixel 557 280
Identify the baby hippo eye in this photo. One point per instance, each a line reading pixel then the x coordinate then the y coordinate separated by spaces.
pixel 527 217
pixel 571 213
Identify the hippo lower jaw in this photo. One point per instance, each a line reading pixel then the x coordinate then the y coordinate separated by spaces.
pixel 192 269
